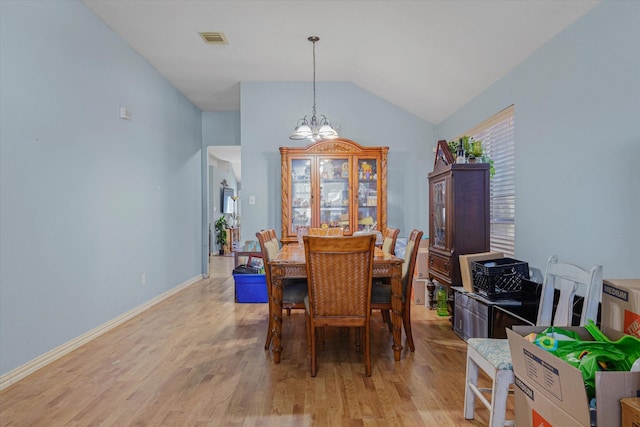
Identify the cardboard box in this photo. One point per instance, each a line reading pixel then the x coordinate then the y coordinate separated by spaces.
pixel 550 392
pixel 630 411
pixel 419 291
pixel 527 414
pixel 621 305
pixel 251 288
pixel 465 266
pixel 424 243
pixel 422 263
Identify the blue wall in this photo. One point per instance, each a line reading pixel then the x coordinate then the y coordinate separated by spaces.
pixel 221 128
pixel 577 130
pixel 269 112
pixel 88 201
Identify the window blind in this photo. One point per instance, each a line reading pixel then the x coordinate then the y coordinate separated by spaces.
pixel 497 136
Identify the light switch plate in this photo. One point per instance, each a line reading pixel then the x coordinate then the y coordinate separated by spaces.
pixel 125 113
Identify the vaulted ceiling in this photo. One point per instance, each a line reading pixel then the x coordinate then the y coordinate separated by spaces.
pixel 427 57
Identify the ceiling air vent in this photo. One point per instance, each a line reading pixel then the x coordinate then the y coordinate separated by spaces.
pixel 214 38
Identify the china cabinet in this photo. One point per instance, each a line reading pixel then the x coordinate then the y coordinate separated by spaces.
pixel 458 215
pixel 333 183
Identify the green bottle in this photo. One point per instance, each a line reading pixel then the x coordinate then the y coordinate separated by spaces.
pixel 442 308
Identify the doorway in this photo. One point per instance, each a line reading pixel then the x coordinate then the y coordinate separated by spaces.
pixel 223 170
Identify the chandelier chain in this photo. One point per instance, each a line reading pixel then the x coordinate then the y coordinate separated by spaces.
pixel 314 77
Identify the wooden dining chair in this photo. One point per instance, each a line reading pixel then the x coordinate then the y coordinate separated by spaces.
pixel 389 246
pixel 389 240
pixel 326 231
pixel 492 355
pixel 381 292
pixel 339 272
pixel 302 231
pixel 274 237
pixel 293 291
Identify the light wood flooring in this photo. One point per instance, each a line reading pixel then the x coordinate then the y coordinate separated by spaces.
pixel 197 359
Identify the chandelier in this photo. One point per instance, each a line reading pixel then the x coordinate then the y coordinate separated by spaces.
pixel 314 129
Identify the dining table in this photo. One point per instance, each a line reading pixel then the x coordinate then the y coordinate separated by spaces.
pixel 289 263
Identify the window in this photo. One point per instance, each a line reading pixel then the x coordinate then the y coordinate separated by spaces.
pixel 497 136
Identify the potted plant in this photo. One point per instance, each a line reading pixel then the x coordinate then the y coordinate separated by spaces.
pixel 474 150
pixel 221 232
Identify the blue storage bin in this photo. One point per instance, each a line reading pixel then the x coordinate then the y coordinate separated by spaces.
pixel 251 288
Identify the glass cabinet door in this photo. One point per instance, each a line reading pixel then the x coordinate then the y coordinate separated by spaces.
pixel 334 193
pixel 439 214
pixel 333 183
pixel 301 213
pixel 367 194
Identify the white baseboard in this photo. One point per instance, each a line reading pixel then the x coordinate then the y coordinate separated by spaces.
pixel 40 362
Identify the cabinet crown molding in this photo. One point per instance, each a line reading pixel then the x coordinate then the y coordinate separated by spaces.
pixel 338 145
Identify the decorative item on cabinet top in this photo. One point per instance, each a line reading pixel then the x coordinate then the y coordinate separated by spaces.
pixel 474 151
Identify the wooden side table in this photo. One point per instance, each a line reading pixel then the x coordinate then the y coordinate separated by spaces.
pixel 251 251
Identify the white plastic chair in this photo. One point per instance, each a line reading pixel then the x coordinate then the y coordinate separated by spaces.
pixel 493 355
